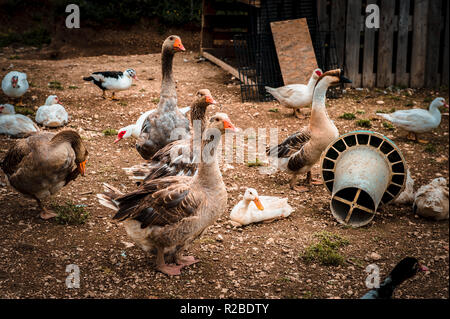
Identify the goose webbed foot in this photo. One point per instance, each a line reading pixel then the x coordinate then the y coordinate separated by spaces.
pixel 20 103
pixel 184 261
pixel 298 114
pixel 170 269
pixel 113 97
pixel 45 212
pixel 418 140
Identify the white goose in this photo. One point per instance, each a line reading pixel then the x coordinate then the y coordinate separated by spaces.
pixel 253 208
pixel 52 114
pixel 296 95
pixel 13 124
pixel 417 120
pixel 135 129
pixel 14 85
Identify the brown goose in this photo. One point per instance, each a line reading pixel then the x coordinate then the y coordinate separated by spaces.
pixel 177 157
pixel 159 127
pixel 40 165
pixel 299 152
pixel 167 214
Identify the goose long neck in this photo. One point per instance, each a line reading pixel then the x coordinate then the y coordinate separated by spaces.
pixel 167 83
pixel 311 84
pixel 198 113
pixel 209 175
pixel 318 113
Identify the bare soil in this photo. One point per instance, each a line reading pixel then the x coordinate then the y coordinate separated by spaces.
pixel 257 261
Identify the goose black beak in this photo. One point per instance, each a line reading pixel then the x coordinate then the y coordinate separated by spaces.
pixel 343 79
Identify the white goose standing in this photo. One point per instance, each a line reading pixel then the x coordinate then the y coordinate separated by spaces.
pixel 417 121
pixel 296 96
pixel 14 85
pixel 52 114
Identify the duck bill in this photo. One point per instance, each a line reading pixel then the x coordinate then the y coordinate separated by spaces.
pixel 117 140
pixel 258 204
pixel 82 167
pixel 178 45
pixel 136 78
pixel 423 268
pixel 446 105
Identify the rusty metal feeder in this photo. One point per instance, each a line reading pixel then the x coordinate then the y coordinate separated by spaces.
pixel 361 170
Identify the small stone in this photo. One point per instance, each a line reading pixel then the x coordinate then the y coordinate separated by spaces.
pixel 375 256
pixel 380 102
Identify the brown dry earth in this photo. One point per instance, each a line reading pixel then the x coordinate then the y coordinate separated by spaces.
pixel 257 261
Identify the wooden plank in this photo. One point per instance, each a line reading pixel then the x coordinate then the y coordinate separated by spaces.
pixel 225 66
pixel 445 77
pixel 206 36
pixel 385 44
pixel 322 15
pixel 294 49
pixel 352 42
pixel 418 57
pixel 337 25
pixel 368 77
pixel 401 76
pixel 432 79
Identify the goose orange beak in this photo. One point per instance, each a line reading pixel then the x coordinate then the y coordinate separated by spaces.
pixel 178 46
pixel 82 168
pixel 210 100
pixel 258 203
pixel 229 125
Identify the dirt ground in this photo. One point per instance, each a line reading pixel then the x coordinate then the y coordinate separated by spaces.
pixel 257 261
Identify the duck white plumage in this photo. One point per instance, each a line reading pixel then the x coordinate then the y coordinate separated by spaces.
pixel 15 84
pixel 112 81
pixel 166 214
pixel 254 208
pixel 299 152
pixel 417 121
pixel 52 114
pixel 296 96
pixel 134 130
pixel 431 201
pixel 16 125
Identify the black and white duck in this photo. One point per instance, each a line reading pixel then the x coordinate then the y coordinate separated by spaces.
pixel 113 81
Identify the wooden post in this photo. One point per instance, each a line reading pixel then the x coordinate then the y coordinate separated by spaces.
pixel 433 39
pixel 401 76
pixel 368 77
pixel 322 16
pixel 385 43
pixel 337 25
pixel 352 42
pixel 419 44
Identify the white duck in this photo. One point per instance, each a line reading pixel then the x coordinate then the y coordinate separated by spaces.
pixel 52 114
pixel 417 120
pixel 296 95
pixel 135 129
pixel 14 85
pixel 432 200
pixel 253 208
pixel 13 124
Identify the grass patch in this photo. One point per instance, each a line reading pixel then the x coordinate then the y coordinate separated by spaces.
pixel 326 249
pixel 123 103
pixel 348 116
pixel 155 100
pixel 109 131
pixel 70 214
pixel 24 110
pixel 274 110
pixel 55 85
pixel 430 148
pixel 14 57
pixel 364 123
pixel 73 87
pixel 360 112
pixel 388 125
pixel 394 97
pixel 142 90
pixel 256 163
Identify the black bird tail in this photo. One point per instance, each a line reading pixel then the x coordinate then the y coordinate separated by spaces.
pixel 89 78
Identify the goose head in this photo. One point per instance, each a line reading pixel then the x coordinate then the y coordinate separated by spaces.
pixel 131 73
pixel 124 132
pixel 251 195
pixel 438 102
pixel 222 122
pixel 334 77
pixel 52 99
pixel 81 152
pixel 204 97
pixel 7 109
pixel 173 44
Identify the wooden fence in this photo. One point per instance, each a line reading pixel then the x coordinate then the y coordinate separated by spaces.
pixel 410 49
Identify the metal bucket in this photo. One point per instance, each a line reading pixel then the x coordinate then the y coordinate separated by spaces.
pixel 362 170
